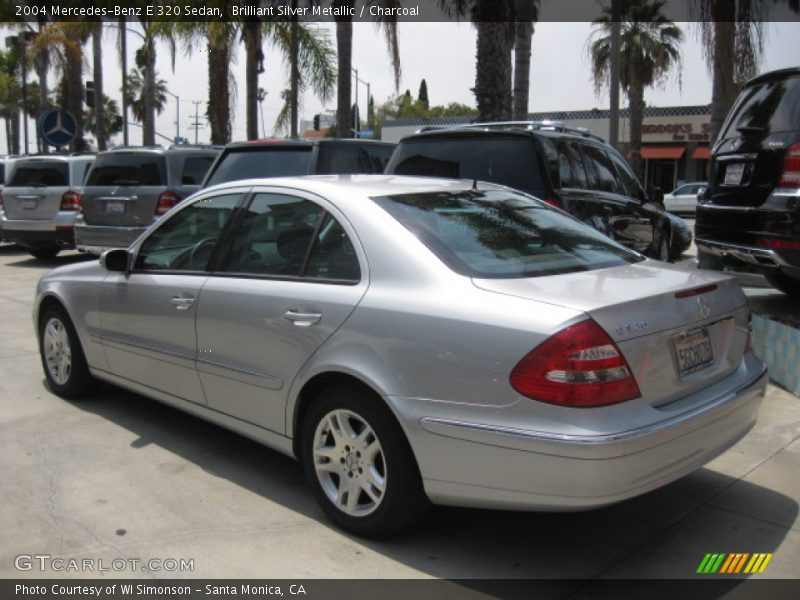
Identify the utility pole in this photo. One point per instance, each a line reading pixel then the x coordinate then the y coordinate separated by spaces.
pixel 123 54
pixel 262 94
pixel 196 123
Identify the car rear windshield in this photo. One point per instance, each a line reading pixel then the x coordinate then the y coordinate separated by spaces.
pixel 261 161
pixel 349 158
pixel 769 107
pixel 508 161
pixel 128 169
pixel 40 173
pixel 195 169
pixel 499 234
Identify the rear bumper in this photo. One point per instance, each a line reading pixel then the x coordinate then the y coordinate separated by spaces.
pixel 97 239
pixel 485 465
pixel 761 257
pixel 43 233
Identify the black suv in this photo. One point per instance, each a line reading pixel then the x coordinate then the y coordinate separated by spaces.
pixel 279 158
pixel 750 210
pixel 568 168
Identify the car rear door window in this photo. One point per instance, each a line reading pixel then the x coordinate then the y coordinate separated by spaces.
pixel 40 174
pixel 604 175
pixel 195 169
pixel 571 162
pixel 128 170
pixel 184 242
pixel 627 180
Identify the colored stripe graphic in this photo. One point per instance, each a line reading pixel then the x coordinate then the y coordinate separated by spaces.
pixel 733 563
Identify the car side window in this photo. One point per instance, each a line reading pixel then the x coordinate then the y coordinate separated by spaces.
pixel 287 236
pixel 630 185
pixel 185 240
pixel 606 180
pixel 579 177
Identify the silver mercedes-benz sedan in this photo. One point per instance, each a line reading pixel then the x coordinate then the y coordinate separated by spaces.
pixel 414 340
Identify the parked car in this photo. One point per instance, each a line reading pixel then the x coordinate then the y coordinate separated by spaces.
pixel 413 340
pixel 282 158
pixel 683 199
pixel 41 200
pixel 568 168
pixel 751 209
pixel 129 188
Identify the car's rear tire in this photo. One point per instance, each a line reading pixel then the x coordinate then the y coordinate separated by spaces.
pixel 63 361
pixel 359 463
pixel 43 253
pixel 788 285
pixel 708 261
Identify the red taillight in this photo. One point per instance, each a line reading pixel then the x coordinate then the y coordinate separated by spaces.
pixel 72 200
pixel 166 201
pixel 790 177
pixel 777 243
pixel 555 202
pixel 579 366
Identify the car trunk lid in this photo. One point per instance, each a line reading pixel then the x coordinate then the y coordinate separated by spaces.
pixel 678 330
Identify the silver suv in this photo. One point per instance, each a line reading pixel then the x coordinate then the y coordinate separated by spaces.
pixel 129 188
pixel 41 200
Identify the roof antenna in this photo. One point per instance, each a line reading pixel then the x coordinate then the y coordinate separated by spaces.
pixel 475 185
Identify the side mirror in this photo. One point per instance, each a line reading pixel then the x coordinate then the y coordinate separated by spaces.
pixel 655 194
pixel 115 260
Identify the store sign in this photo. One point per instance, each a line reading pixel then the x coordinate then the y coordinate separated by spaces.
pixel 694 132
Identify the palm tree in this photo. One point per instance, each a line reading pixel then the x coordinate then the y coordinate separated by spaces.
pixel 110 113
pixel 100 121
pixel 344 52
pixel 526 13
pixel 136 93
pixel 153 31
pixel 253 38
pixel 649 50
pixel 494 20
pixel 10 98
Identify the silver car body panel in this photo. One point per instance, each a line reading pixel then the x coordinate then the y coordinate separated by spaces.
pixel 437 347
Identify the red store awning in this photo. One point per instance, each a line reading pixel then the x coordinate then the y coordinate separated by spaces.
pixel 700 153
pixel 662 152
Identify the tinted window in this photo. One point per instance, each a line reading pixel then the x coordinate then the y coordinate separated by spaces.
pixel 263 161
pixel 195 169
pixel 80 170
pixel 333 255
pixel 498 234
pixel 2 172
pixel 353 158
pixel 184 242
pixel 770 107
pixel 128 169
pixel 274 236
pixel 571 162
pixel 40 173
pixel 600 166
pixel 508 161
pixel 627 180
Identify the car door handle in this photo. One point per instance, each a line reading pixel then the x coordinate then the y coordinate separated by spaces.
pixel 302 319
pixel 182 302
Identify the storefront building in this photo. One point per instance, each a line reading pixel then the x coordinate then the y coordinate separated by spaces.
pixel 675 139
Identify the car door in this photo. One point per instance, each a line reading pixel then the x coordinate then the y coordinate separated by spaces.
pixel 148 315
pixel 292 276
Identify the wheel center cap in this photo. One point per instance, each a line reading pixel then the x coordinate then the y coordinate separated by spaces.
pixel 352 461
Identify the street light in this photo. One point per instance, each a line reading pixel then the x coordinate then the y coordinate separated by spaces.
pixel 262 94
pixel 19 42
pixel 355 76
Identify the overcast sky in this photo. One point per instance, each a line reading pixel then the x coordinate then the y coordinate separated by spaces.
pixel 443 54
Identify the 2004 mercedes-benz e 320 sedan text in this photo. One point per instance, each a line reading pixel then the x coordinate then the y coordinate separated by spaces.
pixel 414 341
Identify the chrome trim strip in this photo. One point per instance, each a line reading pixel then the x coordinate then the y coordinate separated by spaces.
pixel 113 340
pixel 593 440
pixel 743 252
pixel 276 381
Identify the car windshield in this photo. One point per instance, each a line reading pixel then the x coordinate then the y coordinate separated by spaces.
pixel 128 169
pixel 770 107
pixel 40 174
pixel 500 234
pixel 507 160
pixel 261 161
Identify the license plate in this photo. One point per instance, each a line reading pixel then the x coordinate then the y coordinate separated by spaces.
pixel 733 174
pixel 115 207
pixel 693 351
pixel 29 205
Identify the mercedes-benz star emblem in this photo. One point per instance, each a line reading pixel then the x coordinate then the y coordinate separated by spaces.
pixel 703 307
pixel 58 127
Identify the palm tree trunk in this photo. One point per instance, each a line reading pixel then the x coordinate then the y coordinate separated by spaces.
pixel 724 89
pixel 74 94
pixel 251 31
pixel 344 46
pixel 636 100
pixel 14 131
pixel 522 57
pixel 42 66
pixel 493 71
pixel 219 105
pixel 99 105
pixel 149 91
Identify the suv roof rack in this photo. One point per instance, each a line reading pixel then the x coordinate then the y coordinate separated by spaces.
pixel 545 125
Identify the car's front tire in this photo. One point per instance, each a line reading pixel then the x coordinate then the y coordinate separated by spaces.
pixel 64 363
pixel 359 463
